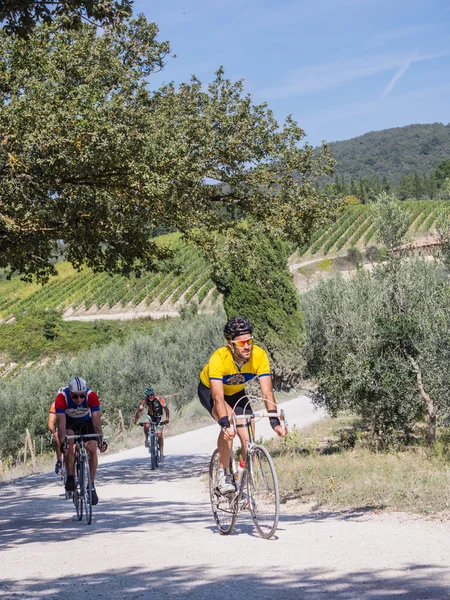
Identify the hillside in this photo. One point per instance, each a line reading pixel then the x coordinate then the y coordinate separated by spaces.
pixel 356 228
pixel 392 153
pixel 86 293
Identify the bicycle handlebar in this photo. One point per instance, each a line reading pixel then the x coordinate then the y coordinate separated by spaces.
pixel 83 436
pixel 160 423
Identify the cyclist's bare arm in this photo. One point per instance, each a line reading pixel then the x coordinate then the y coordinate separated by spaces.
pixel 221 408
pixel 166 410
pixel 138 413
pixel 270 402
pixel 51 423
pixel 97 423
pixel 61 424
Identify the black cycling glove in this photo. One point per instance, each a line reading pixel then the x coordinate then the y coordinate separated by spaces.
pixel 274 421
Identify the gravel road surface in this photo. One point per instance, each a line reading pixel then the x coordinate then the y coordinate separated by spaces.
pixel 153 536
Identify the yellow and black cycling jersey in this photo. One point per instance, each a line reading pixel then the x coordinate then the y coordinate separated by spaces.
pixel 222 367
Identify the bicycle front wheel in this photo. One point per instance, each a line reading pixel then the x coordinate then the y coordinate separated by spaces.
pixel 224 507
pixel 263 492
pixel 78 493
pixel 87 489
pixel 153 453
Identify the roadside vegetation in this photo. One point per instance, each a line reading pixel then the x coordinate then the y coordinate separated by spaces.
pixel 118 372
pixel 332 465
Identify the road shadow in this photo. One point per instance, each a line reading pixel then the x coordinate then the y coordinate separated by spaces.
pixel 416 582
pixel 35 509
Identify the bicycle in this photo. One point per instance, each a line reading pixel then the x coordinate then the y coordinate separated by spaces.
pixel 257 489
pixel 153 445
pixel 82 496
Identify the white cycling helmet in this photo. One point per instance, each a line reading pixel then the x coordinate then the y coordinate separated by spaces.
pixel 76 384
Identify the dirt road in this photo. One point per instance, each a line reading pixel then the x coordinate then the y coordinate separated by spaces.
pixel 153 536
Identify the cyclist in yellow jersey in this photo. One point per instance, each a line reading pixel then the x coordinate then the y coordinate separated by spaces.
pixel 222 389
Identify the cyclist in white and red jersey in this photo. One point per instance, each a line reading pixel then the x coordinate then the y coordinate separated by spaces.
pixel 154 405
pixel 222 389
pixel 78 412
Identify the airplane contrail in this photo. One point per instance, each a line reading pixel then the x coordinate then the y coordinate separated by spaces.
pixel 399 74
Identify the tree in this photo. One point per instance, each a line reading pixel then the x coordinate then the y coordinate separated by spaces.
pixel 251 271
pixel 91 156
pixel 442 172
pixel 378 344
pixel 20 17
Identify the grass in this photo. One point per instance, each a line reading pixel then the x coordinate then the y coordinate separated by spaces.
pixel 329 466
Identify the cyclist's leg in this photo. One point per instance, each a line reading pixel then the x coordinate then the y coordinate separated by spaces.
pixel 69 458
pixel 91 448
pixel 241 406
pixel 57 446
pixel 224 446
pixel 146 429
pixel 159 435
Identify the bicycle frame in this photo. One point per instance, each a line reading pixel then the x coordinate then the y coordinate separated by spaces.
pixel 83 493
pixel 153 446
pixel 258 488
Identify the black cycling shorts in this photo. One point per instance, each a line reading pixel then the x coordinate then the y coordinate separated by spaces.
pixel 238 401
pixel 80 427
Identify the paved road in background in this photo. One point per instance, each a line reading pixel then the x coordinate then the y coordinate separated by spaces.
pixel 153 536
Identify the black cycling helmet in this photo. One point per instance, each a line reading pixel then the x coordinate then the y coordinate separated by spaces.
pixel 237 326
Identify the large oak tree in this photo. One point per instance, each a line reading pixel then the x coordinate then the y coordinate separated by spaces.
pixel 91 156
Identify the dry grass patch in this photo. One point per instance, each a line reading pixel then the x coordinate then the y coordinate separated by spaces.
pixel 321 466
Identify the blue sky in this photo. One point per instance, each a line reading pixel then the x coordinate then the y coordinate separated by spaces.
pixel 340 67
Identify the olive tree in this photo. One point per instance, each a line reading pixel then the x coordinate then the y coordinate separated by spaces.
pixel 379 343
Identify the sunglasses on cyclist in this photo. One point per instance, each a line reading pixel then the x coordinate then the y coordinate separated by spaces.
pixel 241 343
pixel 76 396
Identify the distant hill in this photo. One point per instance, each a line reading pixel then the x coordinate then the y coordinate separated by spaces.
pixel 392 153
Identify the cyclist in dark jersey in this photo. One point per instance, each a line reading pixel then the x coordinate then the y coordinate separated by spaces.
pixel 154 404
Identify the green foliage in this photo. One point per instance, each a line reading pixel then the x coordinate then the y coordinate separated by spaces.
pixel 392 222
pixel 325 265
pixel 369 338
pixel 119 372
pixel 354 255
pixel 43 333
pixel 20 17
pixel 252 274
pixel 116 160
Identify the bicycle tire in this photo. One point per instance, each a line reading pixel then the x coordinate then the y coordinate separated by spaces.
pixel 156 452
pixel 224 508
pixel 263 492
pixel 77 494
pixel 152 452
pixel 87 489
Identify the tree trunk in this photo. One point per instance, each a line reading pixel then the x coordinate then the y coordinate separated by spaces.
pixel 431 409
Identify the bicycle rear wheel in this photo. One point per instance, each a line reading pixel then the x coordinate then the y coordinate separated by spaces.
pixel 224 507
pixel 263 492
pixel 87 489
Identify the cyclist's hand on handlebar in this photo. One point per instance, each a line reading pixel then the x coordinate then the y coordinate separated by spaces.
pixel 102 446
pixel 281 430
pixel 229 433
